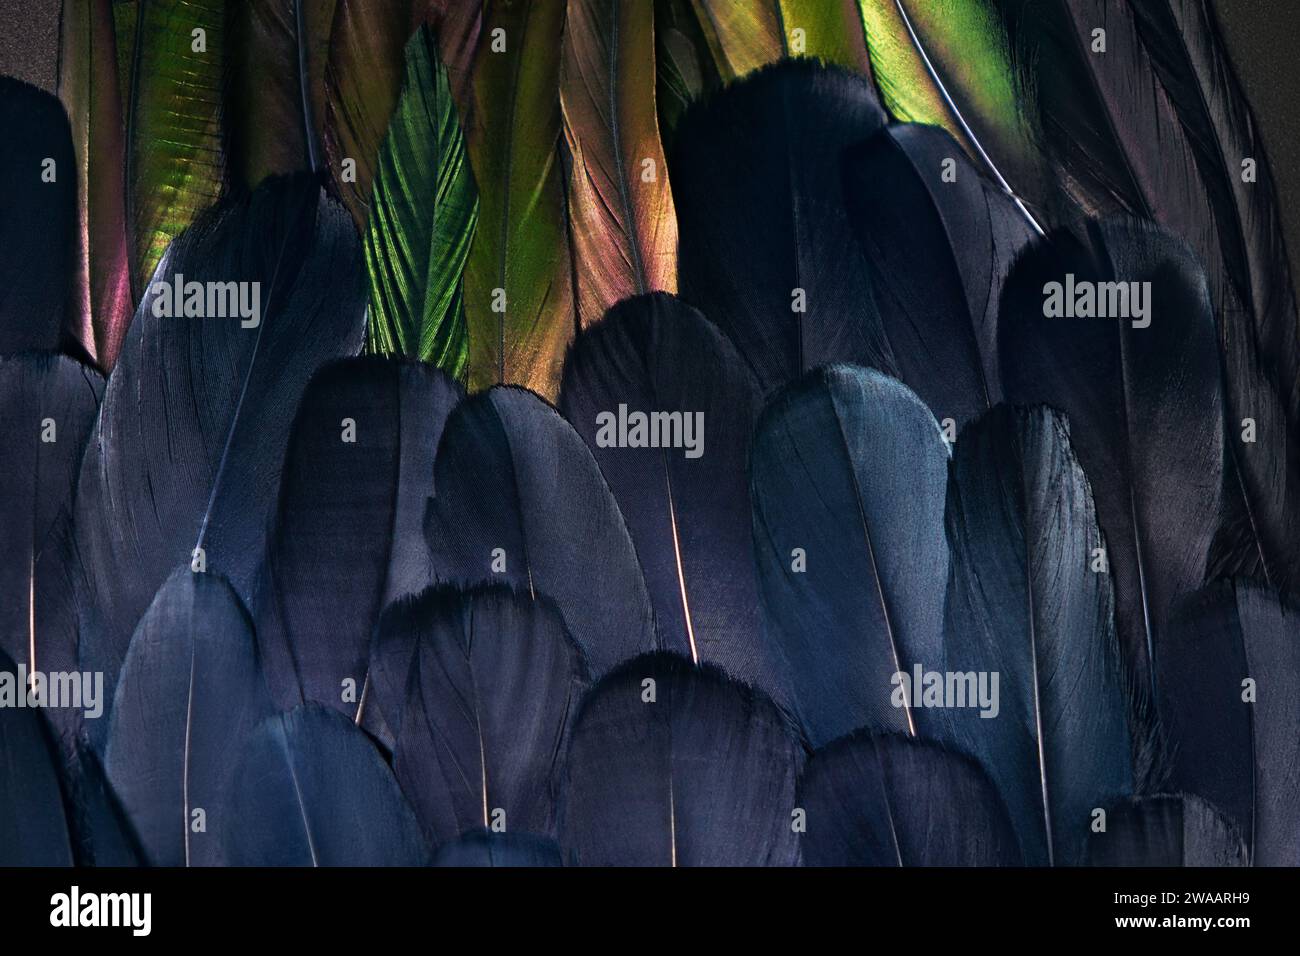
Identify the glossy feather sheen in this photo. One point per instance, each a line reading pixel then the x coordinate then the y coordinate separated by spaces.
pixel 1241 754
pixel 1144 406
pixel 311 790
pixel 48 405
pixel 195 422
pixel 347 537
pixel 1024 603
pixel 702 774
pixel 621 214
pixel 847 479
pixel 38 220
pixel 175 164
pixel 421 221
pixel 687 509
pixel 491 685
pixel 521 501
pixel 518 281
pixel 939 249
pixel 190 692
pixel 832 31
pixel 101 306
pixel 741 36
pixel 889 800
pixel 1166 830
pixel 766 250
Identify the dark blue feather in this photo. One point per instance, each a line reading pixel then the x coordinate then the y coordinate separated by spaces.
pixel 521 502
pixel 891 800
pixel 847 475
pixel 1166 830
pixel 484 848
pixel 190 693
pixel 1024 604
pixel 677 765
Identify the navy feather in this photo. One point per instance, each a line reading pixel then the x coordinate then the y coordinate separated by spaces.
pixel 892 800
pixel 1233 743
pixel 480 848
pixel 312 790
pixel 188 448
pixel 676 765
pixel 1166 830
pixel 488 683
pixel 847 479
pixel 1144 406
pixel 687 509
pixel 521 501
pixel 190 693
pixel 938 250
pixel 1024 604
pixel 760 209
pixel 348 537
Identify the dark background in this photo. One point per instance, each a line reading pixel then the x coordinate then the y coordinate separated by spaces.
pixel 1263 37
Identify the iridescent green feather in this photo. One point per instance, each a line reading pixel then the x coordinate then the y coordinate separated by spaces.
pixel 422 217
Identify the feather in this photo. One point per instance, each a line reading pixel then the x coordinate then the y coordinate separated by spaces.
pixel 766 250
pixel 102 834
pixel 621 217
pixel 1144 405
pixel 741 36
pixel 1024 604
pixel 687 510
pixel 939 249
pixel 275 81
pixel 890 800
pixel 832 31
pixel 518 295
pixel 363 80
pixel 348 533
pixel 677 765
pixel 174 160
pixel 1228 673
pixel 1166 830
pixel 311 790
pixel 847 478
pixel 47 409
pixel 190 693
pixel 187 451
pixel 457 26
pixel 88 86
pixel 684 67
pixel 421 221
pixel 521 501
pixel 33 828
pixel 490 685
pixel 38 219
pixel 485 848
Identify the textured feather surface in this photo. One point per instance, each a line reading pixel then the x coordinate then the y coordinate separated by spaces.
pixel 490 686
pixel 939 249
pixel 363 80
pixel 101 305
pixel 348 535
pixel 687 511
pixel 521 501
pixel 683 64
pixel 832 31
pixel 1229 684
pixel 766 250
pixel 485 848
pixel 518 281
pixel 47 409
pixel 421 221
pixel 741 36
pixel 890 800
pixel 1166 830
pixel 1023 603
pixel 311 790
pixel 33 829
pixel 38 219
pixel 847 480
pixel 1144 407
pixel 621 216
pixel 188 448
pixel 190 692
pixel 175 164
pixel 677 765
